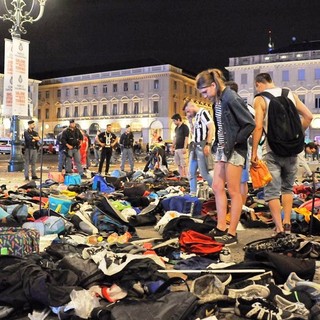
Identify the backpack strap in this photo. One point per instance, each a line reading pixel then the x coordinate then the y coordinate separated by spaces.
pixel 284 92
pixel 266 94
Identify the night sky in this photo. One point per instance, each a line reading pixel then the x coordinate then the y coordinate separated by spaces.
pixel 89 35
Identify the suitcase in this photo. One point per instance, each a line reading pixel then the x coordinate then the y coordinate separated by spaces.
pixel 19 241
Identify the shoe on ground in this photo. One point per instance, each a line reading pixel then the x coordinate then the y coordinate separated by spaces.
pixel 208 288
pixel 293 296
pixel 228 239
pixel 287 228
pixel 35 178
pixel 297 308
pixel 260 309
pixel 26 179
pixel 309 287
pixel 83 176
pixel 291 281
pixel 261 279
pixel 217 233
pixel 250 292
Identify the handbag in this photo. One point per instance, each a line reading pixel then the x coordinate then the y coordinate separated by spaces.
pixel 260 175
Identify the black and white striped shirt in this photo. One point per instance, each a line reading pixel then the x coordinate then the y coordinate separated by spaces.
pixel 200 130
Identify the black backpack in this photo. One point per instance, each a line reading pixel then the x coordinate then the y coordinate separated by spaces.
pixel 285 133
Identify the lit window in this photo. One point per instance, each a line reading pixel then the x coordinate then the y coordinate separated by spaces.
pixel 105 89
pixel 95 89
pixel 76 112
pixel 136 86
pixel 67 112
pixel 156 84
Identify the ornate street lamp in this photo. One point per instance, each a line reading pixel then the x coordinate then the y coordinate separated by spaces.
pixel 15 14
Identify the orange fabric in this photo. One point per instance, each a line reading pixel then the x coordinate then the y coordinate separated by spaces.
pixel 260 175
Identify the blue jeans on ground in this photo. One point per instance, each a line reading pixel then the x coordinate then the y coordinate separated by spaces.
pixel 127 153
pixel 197 160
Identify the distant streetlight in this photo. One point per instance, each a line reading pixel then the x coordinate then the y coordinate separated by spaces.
pixel 15 14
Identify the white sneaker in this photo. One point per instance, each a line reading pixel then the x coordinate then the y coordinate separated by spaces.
pixel 291 282
pixel 296 308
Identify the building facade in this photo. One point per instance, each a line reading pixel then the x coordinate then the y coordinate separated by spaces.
pixel 144 98
pixel 298 71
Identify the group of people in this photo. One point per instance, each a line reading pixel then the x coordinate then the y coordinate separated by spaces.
pixel 219 149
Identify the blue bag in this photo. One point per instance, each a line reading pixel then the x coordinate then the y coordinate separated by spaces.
pixel 60 205
pixel 100 184
pixel 72 178
pixel 183 204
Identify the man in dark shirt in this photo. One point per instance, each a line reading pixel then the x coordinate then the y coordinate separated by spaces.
pixel 31 146
pixel 180 144
pixel 70 141
pixel 107 141
pixel 126 143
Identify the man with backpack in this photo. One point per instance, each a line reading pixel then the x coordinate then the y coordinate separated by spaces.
pixel 282 116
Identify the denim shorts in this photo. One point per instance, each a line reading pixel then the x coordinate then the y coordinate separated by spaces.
pixel 283 171
pixel 236 159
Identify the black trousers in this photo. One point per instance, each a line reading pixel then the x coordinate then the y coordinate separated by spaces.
pixel 106 154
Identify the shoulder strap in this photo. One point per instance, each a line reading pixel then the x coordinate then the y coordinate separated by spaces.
pixel 284 92
pixel 266 94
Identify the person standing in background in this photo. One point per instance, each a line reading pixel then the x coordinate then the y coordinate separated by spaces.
pixel 180 144
pixel 71 140
pixel 126 144
pixel 200 146
pixel 96 149
pixel 61 151
pixel 234 124
pixel 279 192
pixel 88 162
pixel 107 140
pixel 84 145
pixel 31 146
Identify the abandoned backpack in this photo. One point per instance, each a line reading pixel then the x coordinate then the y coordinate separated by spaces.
pixel 285 134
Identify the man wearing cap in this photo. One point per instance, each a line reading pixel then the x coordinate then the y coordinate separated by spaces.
pixel 107 141
pixel 126 144
pixel 70 140
pixel 31 146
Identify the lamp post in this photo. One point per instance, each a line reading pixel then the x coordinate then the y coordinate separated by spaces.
pixel 15 14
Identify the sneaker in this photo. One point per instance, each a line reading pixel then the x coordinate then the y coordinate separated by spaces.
pixel 297 308
pixel 309 287
pixel 261 279
pixel 217 233
pixel 293 296
pixel 228 239
pixel 250 292
pixel 260 309
pixel 287 228
pixel 208 288
pixel 291 282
